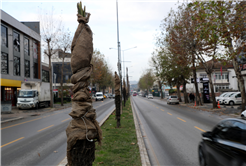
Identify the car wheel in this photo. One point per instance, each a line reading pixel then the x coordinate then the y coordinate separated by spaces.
pixel 231 103
pixel 202 160
pixel 36 106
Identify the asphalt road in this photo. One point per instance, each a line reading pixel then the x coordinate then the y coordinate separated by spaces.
pixel 172 132
pixel 41 140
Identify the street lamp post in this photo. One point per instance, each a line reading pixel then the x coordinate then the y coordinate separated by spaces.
pixel 123 58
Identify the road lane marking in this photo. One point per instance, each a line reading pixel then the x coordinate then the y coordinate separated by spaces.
pixel 65 119
pixel 157 107
pixel 12 142
pixel 45 128
pixel 162 109
pixel 199 129
pixel 181 119
pixel 169 113
pixel 20 123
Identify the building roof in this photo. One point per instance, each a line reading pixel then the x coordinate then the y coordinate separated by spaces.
pixel 11 21
pixel 218 64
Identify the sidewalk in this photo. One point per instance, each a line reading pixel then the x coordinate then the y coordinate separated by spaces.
pixel 17 114
pixel 231 111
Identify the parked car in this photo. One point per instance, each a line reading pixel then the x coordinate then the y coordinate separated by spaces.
pixel 150 96
pixel 110 95
pixel 172 99
pixel 233 99
pixel 99 96
pixel 113 96
pixel 221 96
pixel 225 144
pixel 243 114
pixel 221 100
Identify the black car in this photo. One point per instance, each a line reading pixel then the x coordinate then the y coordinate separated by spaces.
pixel 225 144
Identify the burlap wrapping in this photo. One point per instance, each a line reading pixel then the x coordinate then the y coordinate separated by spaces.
pixel 82 46
pixel 84 125
pixel 117 84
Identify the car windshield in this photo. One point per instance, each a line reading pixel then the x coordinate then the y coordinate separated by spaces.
pixel 228 95
pixel 150 94
pixel 99 94
pixel 26 93
pixel 224 94
pixel 231 94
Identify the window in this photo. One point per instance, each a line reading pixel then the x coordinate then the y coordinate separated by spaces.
pixel 26 47
pixel 4 36
pixel 35 70
pixel 45 76
pixel 203 75
pixel 217 87
pixel 4 63
pixel 35 50
pixel 16 66
pixel 27 68
pixel 8 96
pixel 224 76
pixel 16 41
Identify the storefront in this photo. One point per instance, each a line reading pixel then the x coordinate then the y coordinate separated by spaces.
pixel 9 91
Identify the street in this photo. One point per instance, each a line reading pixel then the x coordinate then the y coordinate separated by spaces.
pixel 41 140
pixel 171 132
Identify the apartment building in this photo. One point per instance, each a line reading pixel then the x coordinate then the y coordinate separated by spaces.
pixel 20 55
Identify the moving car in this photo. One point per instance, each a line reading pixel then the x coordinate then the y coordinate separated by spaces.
pixel 150 96
pixel 225 144
pixel 172 99
pixel 99 96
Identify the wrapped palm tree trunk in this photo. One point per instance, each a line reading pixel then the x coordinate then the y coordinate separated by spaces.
pixel 83 130
pixel 124 91
pixel 117 98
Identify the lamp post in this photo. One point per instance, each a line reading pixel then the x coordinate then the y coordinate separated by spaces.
pixel 123 58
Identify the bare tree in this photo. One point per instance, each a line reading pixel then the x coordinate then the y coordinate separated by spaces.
pixel 50 28
pixel 65 40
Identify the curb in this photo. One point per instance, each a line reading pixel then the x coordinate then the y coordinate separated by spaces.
pixel 142 149
pixel 14 119
pixel 64 161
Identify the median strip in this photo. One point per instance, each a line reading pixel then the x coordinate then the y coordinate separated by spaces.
pixel 45 128
pixel 199 129
pixel 12 142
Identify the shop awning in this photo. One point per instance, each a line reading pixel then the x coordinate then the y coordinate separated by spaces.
pixel 10 83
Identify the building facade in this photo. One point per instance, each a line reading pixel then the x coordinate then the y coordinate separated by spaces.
pixel 20 56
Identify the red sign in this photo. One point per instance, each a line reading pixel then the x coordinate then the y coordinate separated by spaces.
pixel 243 66
pixel 55 90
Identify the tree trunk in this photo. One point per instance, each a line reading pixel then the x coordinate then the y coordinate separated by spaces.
pixel 51 82
pixel 117 105
pixel 178 91
pixel 198 98
pixel 83 153
pixel 240 82
pixel 212 90
pixel 159 82
pixel 62 81
pixel 239 76
pixel 186 100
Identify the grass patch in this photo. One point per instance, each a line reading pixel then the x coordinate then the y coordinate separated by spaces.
pixel 119 145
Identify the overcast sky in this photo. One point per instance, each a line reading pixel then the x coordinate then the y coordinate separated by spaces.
pixel 138 24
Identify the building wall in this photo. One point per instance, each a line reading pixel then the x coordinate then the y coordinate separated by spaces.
pixel 10 83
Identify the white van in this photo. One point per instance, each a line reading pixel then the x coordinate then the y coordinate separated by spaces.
pixel 99 96
pixel 221 96
pixel 233 99
pixel 222 99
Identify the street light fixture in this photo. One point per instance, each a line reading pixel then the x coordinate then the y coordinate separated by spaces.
pixel 123 57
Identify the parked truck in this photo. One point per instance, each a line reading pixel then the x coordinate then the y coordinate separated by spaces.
pixel 33 95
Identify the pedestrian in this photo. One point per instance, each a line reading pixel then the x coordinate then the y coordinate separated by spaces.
pixel 193 97
pixel 190 96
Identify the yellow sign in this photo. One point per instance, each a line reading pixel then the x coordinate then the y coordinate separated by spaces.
pixel 153 90
pixel 10 83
